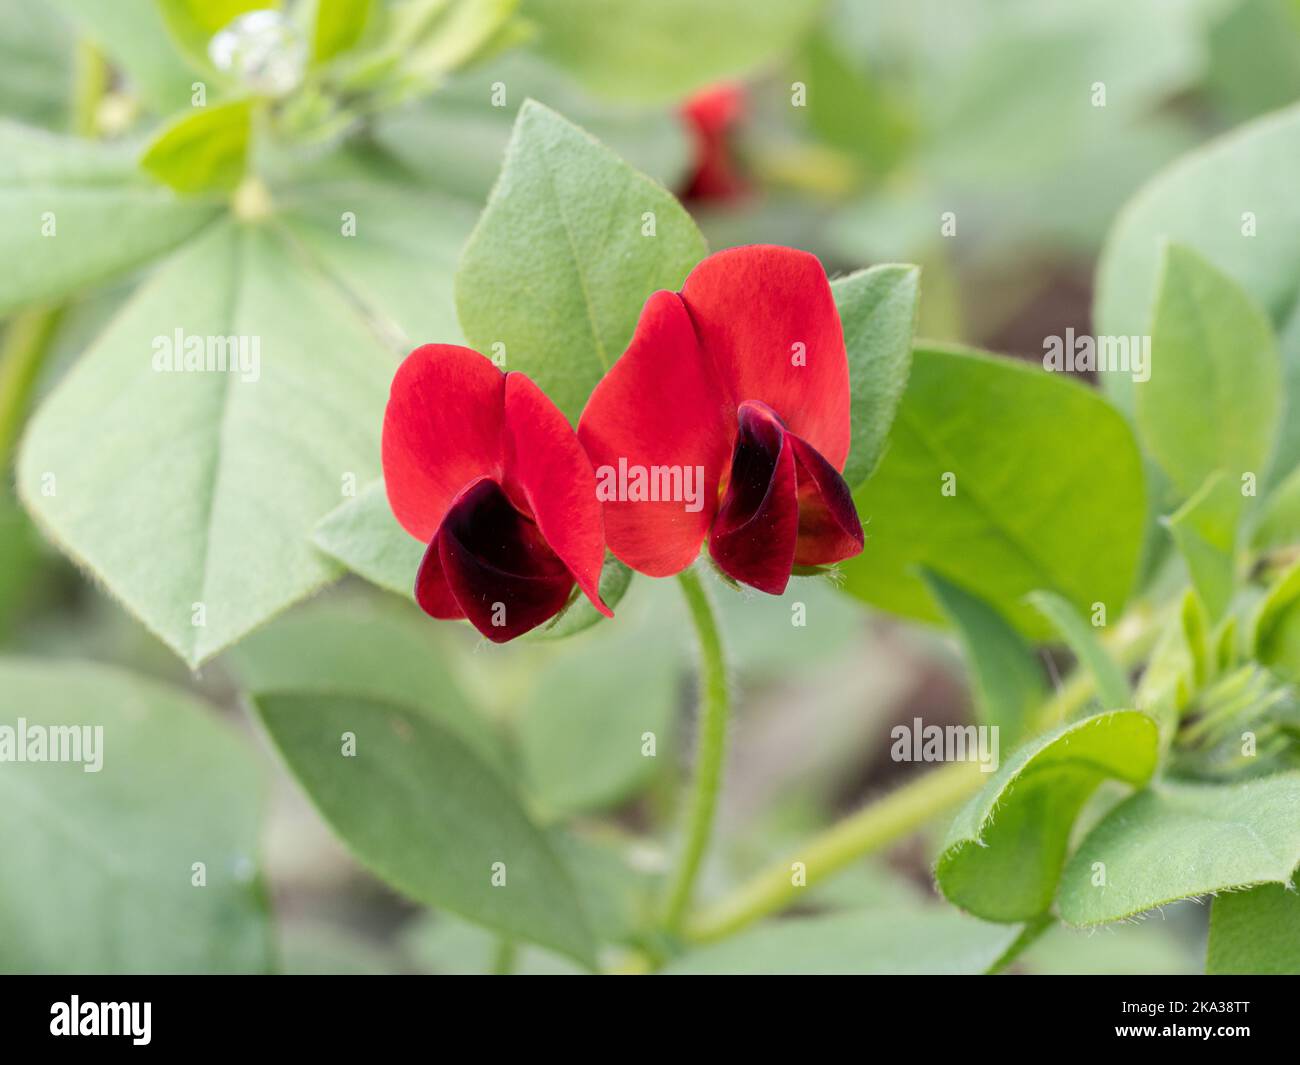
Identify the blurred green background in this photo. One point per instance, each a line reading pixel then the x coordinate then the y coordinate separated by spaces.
pixel 984 108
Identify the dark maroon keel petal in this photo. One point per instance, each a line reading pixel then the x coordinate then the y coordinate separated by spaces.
pixel 753 537
pixel 431 589
pixel 829 529
pixel 503 574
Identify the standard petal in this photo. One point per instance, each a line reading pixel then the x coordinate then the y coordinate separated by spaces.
pixel 548 467
pixel 659 418
pixel 829 529
pixel 766 318
pixel 753 538
pixel 498 565
pixel 442 430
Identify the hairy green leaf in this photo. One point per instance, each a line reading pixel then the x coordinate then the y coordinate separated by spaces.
pixel 110 859
pixel 1112 686
pixel 1255 931
pixel 437 823
pixel 60 201
pixel 1008 678
pixel 1175 841
pixel 1003 854
pixel 877 309
pixel 371 650
pixel 1004 480
pixel 571 244
pixel 1214 362
pixel 205 151
pixel 192 495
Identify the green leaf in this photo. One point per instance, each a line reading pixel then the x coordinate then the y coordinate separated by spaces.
pixel 878 312
pixel 37 54
pixel 853 109
pixel 911 942
pixel 338 26
pixel 1278 521
pixel 1006 433
pixel 662 50
pixel 557 269
pixel 435 821
pixel 1008 679
pixel 1210 200
pixel 1275 635
pixel 390 243
pixel 1112 686
pixel 106 877
pixel 132 33
pixel 1255 931
pixel 582 728
pixel 1003 854
pixel 1205 530
pixel 73 213
pixel 205 151
pixel 1176 841
pixel 365 649
pixel 1214 361
pixel 363 535
pixel 182 490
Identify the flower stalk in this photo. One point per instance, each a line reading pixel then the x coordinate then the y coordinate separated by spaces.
pixel 711 749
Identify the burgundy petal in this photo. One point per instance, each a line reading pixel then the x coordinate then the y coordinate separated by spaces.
pixel 498 566
pixel 829 529
pixel 754 534
pixel 432 591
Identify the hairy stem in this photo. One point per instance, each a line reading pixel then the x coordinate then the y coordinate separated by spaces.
pixel 710 749
pixel 902 811
pixel 26 341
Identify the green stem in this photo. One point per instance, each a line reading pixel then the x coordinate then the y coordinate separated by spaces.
pixel 26 342
pixel 900 812
pixel 27 338
pixel 90 83
pixel 503 963
pixel 882 822
pixel 710 749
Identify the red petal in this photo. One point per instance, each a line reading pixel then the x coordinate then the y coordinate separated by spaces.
pixel 829 529
pixel 753 538
pixel 660 405
pixel 751 307
pixel 498 565
pixel 432 591
pixel 545 462
pixel 442 430
pixel 709 114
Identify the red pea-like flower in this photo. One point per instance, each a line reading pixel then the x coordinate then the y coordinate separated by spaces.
pixel 710 116
pixel 484 468
pixel 737 386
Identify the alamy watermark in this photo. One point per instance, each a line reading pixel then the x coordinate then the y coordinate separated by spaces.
pixel 626 483
pixel 1073 353
pixel 53 743
pixel 191 353
pixel 919 742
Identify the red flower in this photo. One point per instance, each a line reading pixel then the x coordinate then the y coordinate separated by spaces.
pixel 739 385
pixel 710 114
pixel 484 468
